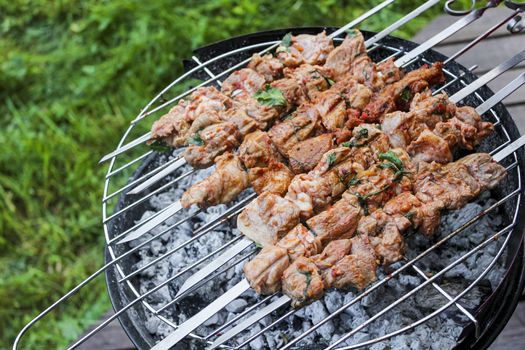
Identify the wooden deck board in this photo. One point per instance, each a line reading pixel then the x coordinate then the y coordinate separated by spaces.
pixel 495 50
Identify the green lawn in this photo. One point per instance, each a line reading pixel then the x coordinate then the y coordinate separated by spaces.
pixel 72 75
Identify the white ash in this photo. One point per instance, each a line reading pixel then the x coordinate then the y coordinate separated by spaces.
pixel 440 332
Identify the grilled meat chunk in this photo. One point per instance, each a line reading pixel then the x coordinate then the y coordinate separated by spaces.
pixel 305 48
pixel 390 72
pixel 210 142
pixel 303 122
pixel 243 82
pixel 306 154
pixel 339 60
pixel 223 185
pixel 265 271
pixel 339 221
pixel 275 178
pixel 302 282
pixel 311 79
pixel 258 150
pixel 172 127
pixel 267 66
pixel 357 269
pixel 268 218
pixel 430 147
pixel 292 92
pixel 399 95
pixel 366 72
pixel 300 242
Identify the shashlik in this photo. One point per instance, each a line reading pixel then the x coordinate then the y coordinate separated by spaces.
pixel 376 238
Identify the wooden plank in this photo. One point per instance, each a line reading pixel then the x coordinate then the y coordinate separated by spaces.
pixel 489 18
pixel 488 53
pixel 518 97
pixel 111 337
pixel 513 336
pixel 518 114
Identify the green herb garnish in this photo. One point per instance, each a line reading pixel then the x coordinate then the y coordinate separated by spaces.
pixel 308 276
pixel 195 139
pixel 159 146
pixel 362 133
pixel 409 215
pixel 287 40
pixel 258 245
pixel 406 95
pixel 352 33
pixel 270 96
pixel 392 158
pixel 354 180
pixel 332 157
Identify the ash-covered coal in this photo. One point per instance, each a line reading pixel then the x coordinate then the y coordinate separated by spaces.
pixel 440 332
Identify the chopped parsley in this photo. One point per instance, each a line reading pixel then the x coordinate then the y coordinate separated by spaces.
pixel 405 95
pixel 332 157
pixel 195 139
pixel 159 146
pixel 409 215
pixel 308 276
pixel 362 134
pixel 354 180
pixel 258 245
pixel 270 96
pixel 394 163
pixel 363 199
pixel 351 33
pixel 287 40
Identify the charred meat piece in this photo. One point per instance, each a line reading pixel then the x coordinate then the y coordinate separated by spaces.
pixel 341 58
pixel 312 79
pixel 357 269
pixel 243 82
pixel 275 178
pixel 339 221
pixel 399 95
pixel 300 242
pixel 268 218
pixel 306 154
pixel 390 72
pixel 265 271
pixel 267 66
pixel 302 123
pixel 172 127
pixel 223 185
pixel 258 150
pixel 302 282
pixel 210 142
pixel 304 48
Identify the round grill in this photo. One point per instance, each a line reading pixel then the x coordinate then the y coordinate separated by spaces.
pixel 485 319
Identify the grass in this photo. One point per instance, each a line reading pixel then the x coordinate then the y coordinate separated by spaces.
pixel 72 75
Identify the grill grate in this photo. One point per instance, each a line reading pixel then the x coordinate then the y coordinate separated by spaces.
pixel 121 259
pixel 454 82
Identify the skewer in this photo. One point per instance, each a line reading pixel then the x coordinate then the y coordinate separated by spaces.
pixel 457 97
pixel 409 56
pixel 144 114
pixel 195 321
pixel 246 242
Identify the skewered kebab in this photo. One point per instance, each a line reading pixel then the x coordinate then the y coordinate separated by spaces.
pixel 289 138
pixel 312 79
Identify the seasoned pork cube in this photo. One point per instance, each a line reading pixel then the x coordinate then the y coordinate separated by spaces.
pixel 274 179
pixel 300 242
pixel 469 116
pixel 268 218
pixel 304 48
pixel 366 72
pixel 211 142
pixel 341 58
pixel 265 270
pixel 390 72
pixel 301 124
pixel 262 114
pixel 306 154
pixel 339 221
pixel 311 79
pixel 389 245
pixel 333 252
pixel 172 127
pixel 202 121
pixel 206 99
pixel 309 193
pixel 292 92
pixel 302 282
pixel 258 150
pixel 243 82
pixel 268 66
pixel 332 109
pixel 356 269
pixel 429 147
pixel 223 185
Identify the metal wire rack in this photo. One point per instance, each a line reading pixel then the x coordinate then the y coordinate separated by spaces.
pixel 211 70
